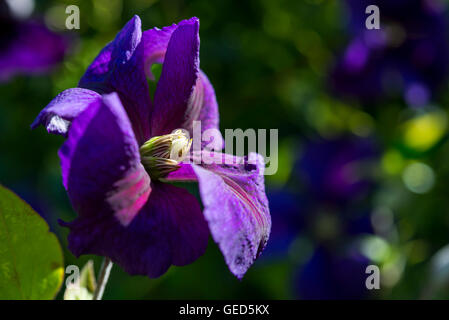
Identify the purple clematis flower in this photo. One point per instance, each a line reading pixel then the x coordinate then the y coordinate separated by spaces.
pixel 123 149
pixel 407 56
pixel 27 47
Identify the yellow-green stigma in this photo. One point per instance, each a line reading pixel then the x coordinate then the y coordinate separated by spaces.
pixel 161 155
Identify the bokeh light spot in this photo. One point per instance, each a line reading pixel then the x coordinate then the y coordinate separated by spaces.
pixel 375 248
pixel 392 162
pixel 423 132
pixel 418 177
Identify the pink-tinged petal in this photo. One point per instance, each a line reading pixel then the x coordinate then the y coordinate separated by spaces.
pixel 65 107
pixel 120 68
pixel 130 195
pixel 169 230
pixel 100 163
pixel 235 205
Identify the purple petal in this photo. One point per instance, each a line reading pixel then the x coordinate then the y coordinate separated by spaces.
pixel 120 68
pixel 169 230
pixel 30 49
pixel 65 107
pixel 204 104
pixel 184 174
pixel 209 114
pixel 235 205
pixel 173 99
pixel 155 42
pixel 100 163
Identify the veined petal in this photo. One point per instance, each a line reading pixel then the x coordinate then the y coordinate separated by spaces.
pixel 235 205
pixel 169 230
pixel 100 163
pixel 119 67
pixel 65 107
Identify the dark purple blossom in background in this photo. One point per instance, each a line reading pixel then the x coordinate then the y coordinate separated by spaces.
pixel 406 57
pixel 335 175
pixel 333 275
pixel 289 213
pixel 116 164
pixel 335 268
pixel 27 46
pixel 338 170
pixel 296 215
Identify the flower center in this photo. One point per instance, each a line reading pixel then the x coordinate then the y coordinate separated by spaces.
pixel 162 154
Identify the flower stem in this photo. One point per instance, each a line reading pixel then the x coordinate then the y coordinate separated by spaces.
pixel 103 277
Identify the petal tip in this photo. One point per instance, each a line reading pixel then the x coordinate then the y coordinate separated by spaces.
pixel 136 20
pixel 35 123
pixel 192 20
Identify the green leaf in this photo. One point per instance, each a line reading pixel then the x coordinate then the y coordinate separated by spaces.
pixel 31 260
